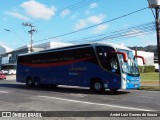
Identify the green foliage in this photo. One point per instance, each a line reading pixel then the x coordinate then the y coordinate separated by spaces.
pixel 146 69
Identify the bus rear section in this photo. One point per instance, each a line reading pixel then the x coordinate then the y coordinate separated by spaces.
pixel 91 66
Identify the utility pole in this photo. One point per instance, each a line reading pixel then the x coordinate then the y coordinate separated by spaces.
pixel 30 32
pixel 158 38
pixel 156 5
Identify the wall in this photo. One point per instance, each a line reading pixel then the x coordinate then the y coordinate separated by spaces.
pixel 148 56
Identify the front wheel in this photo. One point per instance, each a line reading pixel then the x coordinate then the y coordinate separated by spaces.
pixel 97 86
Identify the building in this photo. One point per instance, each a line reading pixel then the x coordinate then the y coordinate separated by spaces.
pixel 4 58
pixel 148 56
pixel 8 57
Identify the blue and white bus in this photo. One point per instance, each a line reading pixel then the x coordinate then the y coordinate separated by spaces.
pixel 99 66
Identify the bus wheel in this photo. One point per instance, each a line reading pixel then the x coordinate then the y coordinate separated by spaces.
pixel 37 83
pixel 29 82
pixel 113 90
pixel 97 86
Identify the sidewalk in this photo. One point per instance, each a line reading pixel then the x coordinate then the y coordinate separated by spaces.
pixel 11 77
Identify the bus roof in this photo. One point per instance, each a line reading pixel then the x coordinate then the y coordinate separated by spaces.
pixel 115 46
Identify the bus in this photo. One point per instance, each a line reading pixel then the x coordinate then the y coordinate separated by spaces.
pixel 98 66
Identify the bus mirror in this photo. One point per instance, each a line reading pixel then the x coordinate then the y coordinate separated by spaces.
pixel 125 58
pixel 136 56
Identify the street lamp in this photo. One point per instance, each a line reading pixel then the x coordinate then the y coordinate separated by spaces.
pixel 156 4
pixel 15 34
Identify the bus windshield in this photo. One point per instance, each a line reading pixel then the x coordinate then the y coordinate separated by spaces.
pixel 130 67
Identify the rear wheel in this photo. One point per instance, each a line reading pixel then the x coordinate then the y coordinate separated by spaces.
pixel 97 86
pixel 29 82
pixel 37 83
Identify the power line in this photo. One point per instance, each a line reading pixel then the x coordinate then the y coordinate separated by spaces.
pixel 131 32
pixel 93 25
pixel 72 7
pixel 135 31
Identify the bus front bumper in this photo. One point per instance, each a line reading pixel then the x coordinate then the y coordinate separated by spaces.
pixel 132 84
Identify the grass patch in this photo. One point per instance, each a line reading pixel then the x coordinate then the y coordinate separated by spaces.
pixel 155 82
pixel 150 81
pixel 150 88
pixel 151 76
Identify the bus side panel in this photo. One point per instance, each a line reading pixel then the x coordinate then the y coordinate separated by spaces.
pixel 77 74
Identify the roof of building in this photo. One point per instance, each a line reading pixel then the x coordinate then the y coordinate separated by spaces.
pixel 4 49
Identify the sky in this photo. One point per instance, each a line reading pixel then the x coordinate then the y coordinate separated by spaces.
pixel 63 21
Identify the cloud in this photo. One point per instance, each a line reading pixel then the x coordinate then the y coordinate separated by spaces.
pixel 17 15
pixel 38 10
pixel 100 28
pixel 96 19
pixel 65 12
pixel 81 24
pixel 90 20
pixel 93 5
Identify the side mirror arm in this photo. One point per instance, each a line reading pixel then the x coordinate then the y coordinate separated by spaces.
pixel 125 58
pixel 136 56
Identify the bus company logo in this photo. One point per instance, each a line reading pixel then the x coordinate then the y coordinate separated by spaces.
pixel 6 114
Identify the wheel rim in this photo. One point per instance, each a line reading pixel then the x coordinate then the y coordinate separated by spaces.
pixel 29 82
pixel 37 83
pixel 97 86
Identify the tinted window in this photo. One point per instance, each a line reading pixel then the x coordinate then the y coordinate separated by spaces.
pixel 107 59
pixel 58 56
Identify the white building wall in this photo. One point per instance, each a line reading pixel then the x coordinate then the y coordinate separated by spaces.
pixel 59 44
pixel 148 56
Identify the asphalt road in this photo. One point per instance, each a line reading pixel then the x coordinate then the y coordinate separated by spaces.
pixel 17 97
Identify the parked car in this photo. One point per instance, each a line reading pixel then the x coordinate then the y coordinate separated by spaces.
pixel 11 72
pixel 5 72
pixel 2 76
pixel 156 67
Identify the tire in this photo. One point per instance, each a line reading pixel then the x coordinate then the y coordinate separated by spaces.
pixel 97 86
pixel 29 82
pixel 37 83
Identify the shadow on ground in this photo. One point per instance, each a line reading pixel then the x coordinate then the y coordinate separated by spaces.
pixel 61 89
